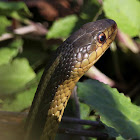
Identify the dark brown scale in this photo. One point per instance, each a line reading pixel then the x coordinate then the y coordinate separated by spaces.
pixel 76 51
pixel 84 51
pixel 76 36
pixel 84 40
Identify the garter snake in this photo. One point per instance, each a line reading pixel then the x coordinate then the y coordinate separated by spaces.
pixel 68 64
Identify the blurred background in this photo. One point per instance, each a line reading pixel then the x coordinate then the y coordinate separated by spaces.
pixel 31 30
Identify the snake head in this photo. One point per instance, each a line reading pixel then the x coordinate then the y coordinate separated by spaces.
pixel 84 47
pixel 90 42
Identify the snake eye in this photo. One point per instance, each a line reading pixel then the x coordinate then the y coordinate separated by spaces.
pixel 101 37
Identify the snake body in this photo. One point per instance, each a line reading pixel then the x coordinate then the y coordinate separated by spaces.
pixel 71 60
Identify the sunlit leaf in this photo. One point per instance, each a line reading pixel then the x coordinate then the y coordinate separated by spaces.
pixel 20 102
pixel 15 75
pixel 4 24
pixel 10 51
pixel 14 9
pixel 62 27
pixel 23 98
pixel 84 110
pixel 120 138
pixel 126 13
pixel 115 109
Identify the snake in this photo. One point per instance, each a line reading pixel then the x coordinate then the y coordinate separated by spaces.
pixel 67 65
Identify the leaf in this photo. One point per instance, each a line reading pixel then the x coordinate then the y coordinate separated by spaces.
pixel 14 9
pixel 22 101
pixel 126 13
pixel 15 75
pixel 115 109
pixel 120 138
pixel 7 53
pixel 4 24
pixel 84 111
pixel 23 98
pixel 62 27
pixel 90 10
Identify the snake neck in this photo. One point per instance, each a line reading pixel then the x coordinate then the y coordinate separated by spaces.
pixel 51 98
pixel 57 107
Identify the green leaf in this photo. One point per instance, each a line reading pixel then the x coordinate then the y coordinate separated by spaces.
pixel 126 13
pixel 84 111
pixel 4 24
pixel 120 138
pixel 62 27
pixel 90 10
pixel 23 98
pixel 22 101
pixel 14 9
pixel 14 76
pixel 7 53
pixel 115 109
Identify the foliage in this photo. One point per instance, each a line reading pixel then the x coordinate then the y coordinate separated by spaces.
pixel 4 23
pixel 115 109
pixel 23 58
pixel 15 72
pixel 17 10
pixel 65 26
pixel 127 20
pixel 15 75
pixel 9 52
